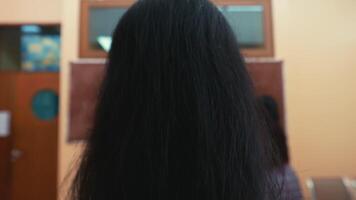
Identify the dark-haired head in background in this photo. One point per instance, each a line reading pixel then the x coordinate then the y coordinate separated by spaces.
pixel 275 130
pixel 283 173
pixel 177 118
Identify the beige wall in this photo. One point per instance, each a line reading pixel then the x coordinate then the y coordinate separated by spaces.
pixel 317 41
pixel 30 11
pixel 70 44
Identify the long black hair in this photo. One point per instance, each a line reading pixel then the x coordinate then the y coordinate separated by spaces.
pixel 177 117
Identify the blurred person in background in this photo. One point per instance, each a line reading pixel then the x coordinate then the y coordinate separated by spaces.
pixel 282 172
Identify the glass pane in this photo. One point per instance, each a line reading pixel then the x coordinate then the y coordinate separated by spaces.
pixel 247 24
pixel 31 48
pixel 102 22
pixel 45 105
pixel 246 21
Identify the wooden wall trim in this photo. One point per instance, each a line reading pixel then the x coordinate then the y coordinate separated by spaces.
pixel 266 74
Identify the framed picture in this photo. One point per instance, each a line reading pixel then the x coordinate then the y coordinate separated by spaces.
pixel 251 21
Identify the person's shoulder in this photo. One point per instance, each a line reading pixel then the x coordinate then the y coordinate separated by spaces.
pixel 289 170
pixel 292 182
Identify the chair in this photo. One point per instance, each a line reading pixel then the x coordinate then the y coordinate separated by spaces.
pixel 328 189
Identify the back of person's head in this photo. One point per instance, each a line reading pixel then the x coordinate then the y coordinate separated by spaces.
pixel 176 118
pixel 275 130
pixel 270 106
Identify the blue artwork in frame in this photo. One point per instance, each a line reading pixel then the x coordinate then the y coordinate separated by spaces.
pixel 40 52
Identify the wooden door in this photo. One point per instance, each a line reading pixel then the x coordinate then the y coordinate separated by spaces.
pixel 7 83
pixel 34 151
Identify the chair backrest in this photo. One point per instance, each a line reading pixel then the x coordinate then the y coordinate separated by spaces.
pixel 328 189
